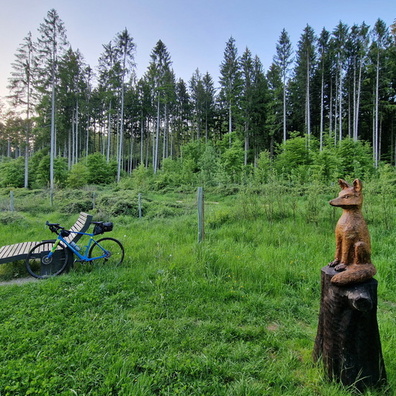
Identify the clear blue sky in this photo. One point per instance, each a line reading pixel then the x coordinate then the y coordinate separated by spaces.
pixel 195 32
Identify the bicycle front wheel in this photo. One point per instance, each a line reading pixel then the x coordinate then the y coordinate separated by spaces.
pixel 109 250
pixel 40 265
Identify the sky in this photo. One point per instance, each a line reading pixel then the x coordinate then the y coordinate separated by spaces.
pixel 195 32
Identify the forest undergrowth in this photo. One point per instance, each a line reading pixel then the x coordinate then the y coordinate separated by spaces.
pixel 233 315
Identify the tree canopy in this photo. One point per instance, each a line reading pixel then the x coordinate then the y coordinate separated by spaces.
pixel 335 85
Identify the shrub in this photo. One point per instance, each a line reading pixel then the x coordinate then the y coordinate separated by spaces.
pixel 232 161
pixel 263 169
pixel 142 178
pixel 293 154
pixel 355 159
pixel 12 218
pixel 119 203
pixel 43 171
pixel 208 164
pixel 78 176
pixel 99 170
pixel 76 206
pixel 12 173
pixel 162 210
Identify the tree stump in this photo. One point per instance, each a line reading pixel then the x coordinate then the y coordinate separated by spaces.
pixel 347 339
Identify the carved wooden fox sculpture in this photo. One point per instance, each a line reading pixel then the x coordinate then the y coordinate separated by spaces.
pixel 353 248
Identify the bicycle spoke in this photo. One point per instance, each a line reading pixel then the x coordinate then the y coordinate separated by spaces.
pixel 108 250
pixel 42 265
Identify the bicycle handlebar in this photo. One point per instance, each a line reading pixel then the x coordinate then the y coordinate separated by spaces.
pixel 54 227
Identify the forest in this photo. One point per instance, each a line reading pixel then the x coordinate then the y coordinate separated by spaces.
pixel 68 122
pixel 235 313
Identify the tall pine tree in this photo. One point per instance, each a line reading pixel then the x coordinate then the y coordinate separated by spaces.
pixel 51 47
pixel 283 60
pixel 21 86
pixel 230 81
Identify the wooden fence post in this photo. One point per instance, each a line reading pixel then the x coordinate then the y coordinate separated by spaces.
pixel 140 205
pixel 12 208
pixel 201 229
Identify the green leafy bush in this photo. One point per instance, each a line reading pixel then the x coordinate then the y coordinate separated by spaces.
pixel 43 171
pixel 99 170
pixel 12 173
pixel 76 206
pixel 119 203
pixel 78 176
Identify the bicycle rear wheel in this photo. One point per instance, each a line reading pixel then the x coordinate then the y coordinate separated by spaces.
pixel 110 248
pixel 39 265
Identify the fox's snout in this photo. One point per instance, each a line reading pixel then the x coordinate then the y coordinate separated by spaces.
pixel 335 202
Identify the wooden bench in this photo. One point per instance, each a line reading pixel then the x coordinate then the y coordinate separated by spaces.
pixel 19 251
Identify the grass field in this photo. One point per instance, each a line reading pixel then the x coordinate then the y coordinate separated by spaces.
pixel 234 315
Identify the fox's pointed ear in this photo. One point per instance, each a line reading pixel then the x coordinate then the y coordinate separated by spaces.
pixel 343 184
pixel 357 185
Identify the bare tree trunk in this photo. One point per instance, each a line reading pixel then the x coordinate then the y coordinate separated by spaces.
pixel 230 122
pixel 120 151
pixel 87 139
pixel 246 142
pixel 340 105
pixel 77 133
pixel 156 145
pixel 284 113
pixel 376 117
pixel 26 182
pixel 53 142
pixel 357 105
pixel 108 134
pixel 131 156
pixel 307 102
pixel 165 148
pixel 331 107
pixel 321 112
pixel 142 139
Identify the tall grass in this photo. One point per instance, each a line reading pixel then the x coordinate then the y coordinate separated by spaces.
pixel 234 315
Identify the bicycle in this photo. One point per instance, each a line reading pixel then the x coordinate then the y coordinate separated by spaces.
pixel 51 257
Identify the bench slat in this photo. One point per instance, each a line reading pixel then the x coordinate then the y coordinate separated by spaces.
pixel 19 251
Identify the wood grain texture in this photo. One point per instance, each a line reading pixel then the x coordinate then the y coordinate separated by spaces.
pixel 347 340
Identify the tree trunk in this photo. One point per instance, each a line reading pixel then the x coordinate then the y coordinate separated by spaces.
pixel 121 142
pixel 230 122
pixel 26 182
pixel 376 138
pixel 77 134
pixel 141 140
pixel 108 135
pixel 340 105
pixel 52 144
pixel 246 143
pixel 307 102
pixel 348 340
pixel 156 143
pixel 165 149
pixel 321 111
pixel 284 112
pixel 331 106
pixel 357 104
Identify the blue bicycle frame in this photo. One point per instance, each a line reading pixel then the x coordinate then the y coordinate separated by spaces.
pixel 82 257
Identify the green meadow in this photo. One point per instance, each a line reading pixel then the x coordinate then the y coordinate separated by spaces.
pixel 233 315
